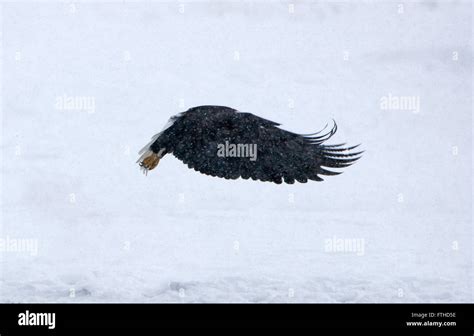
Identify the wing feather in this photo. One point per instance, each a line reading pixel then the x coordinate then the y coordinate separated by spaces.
pixel 281 155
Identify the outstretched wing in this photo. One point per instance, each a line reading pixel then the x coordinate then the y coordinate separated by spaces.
pixel 280 155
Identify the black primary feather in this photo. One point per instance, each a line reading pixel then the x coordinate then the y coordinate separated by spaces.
pixel 194 137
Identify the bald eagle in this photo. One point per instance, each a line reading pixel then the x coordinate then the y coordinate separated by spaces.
pixel 221 141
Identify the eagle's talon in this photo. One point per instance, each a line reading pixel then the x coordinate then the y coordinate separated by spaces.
pixel 150 162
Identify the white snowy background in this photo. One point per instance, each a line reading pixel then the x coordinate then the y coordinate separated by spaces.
pixel 107 233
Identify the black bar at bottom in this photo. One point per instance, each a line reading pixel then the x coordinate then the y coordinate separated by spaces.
pixel 433 319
